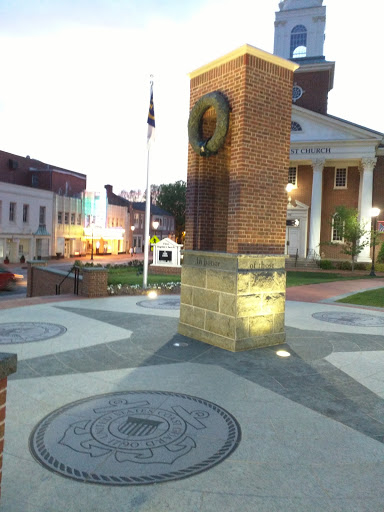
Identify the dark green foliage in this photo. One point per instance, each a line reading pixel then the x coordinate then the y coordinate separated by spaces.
pixel 172 198
pixel 380 256
pixel 325 264
pixel 350 229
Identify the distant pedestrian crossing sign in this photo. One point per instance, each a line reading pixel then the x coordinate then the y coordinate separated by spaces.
pixel 154 240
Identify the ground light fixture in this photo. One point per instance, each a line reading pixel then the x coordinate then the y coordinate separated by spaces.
pixel 374 213
pixel 152 294
pixel 282 353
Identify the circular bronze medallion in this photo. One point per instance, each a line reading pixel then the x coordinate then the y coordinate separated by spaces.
pixel 26 332
pixel 354 319
pixel 135 438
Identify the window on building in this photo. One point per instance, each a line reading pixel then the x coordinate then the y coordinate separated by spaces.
pixel 35 180
pixel 73 221
pixel 341 178
pixel 12 212
pixel 79 219
pixel 337 229
pixel 25 213
pixel 59 217
pixel 296 127
pixel 136 220
pixel 292 176
pixel 141 221
pixel 66 218
pixel 21 249
pixel 42 215
pixel 299 41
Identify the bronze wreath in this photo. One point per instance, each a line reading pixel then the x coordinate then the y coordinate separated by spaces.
pixel 210 146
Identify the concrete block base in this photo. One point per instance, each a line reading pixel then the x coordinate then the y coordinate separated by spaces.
pixel 233 301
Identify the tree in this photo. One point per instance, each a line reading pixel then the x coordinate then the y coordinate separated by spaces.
pixel 350 232
pixel 172 198
pixel 133 195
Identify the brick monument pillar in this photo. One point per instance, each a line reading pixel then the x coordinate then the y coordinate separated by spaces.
pixel 233 276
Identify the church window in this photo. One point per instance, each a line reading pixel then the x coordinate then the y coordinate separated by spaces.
pixel 341 177
pixel 337 229
pixel 296 127
pixel 298 42
pixel 292 176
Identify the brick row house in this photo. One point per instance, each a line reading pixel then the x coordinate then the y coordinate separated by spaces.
pixel 333 161
pixel 41 211
pixel 162 223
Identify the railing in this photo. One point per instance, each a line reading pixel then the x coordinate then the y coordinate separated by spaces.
pixel 296 257
pixel 76 271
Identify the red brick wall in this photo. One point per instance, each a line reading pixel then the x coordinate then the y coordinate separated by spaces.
pixel 315 86
pixel 54 180
pixel 331 199
pixel 3 395
pixel 42 281
pixel 236 200
pixel 163 270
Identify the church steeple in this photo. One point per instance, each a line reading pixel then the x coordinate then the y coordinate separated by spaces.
pixel 299 36
pixel 299 29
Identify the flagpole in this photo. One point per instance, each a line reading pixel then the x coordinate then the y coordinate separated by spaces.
pixel 151 129
pixel 146 230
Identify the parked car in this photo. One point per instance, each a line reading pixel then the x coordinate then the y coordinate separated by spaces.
pixel 7 279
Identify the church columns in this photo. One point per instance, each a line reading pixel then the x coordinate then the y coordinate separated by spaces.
pixel 365 202
pixel 315 220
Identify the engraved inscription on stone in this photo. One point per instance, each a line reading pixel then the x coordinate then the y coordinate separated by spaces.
pixel 26 332
pixel 135 438
pixel 204 262
pixel 356 319
pixel 160 303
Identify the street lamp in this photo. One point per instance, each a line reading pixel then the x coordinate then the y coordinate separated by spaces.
pixel 374 213
pixel 131 249
pixel 155 225
pixel 289 189
pixel 92 242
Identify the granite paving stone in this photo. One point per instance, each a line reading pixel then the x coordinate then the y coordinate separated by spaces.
pixel 312 424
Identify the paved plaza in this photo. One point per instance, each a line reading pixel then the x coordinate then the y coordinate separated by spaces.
pixel 111 409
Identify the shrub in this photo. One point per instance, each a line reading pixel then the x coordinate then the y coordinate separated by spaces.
pixel 343 265
pixel 325 264
pixel 380 256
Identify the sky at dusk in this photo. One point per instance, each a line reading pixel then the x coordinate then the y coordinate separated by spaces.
pixel 74 90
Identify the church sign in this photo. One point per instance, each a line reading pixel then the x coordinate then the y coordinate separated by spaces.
pixel 167 253
pixel 310 151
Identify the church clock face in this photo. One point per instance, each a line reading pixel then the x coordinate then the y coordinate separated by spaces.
pixel 297 93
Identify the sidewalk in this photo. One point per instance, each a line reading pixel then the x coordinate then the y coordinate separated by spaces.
pixel 219 431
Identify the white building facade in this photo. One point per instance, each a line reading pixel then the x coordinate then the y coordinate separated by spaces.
pixel 333 162
pixel 26 220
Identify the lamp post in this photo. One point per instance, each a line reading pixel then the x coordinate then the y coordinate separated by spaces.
pixel 131 245
pixel 155 225
pixel 92 244
pixel 289 189
pixel 374 213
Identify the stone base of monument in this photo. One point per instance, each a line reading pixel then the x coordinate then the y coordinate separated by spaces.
pixel 233 301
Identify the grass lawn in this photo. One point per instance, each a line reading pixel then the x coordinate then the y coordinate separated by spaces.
pixel 300 278
pixel 373 298
pixel 128 275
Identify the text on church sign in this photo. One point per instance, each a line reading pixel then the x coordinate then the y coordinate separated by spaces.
pixel 310 151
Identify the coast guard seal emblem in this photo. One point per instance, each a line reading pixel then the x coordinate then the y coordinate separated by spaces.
pixel 133 438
